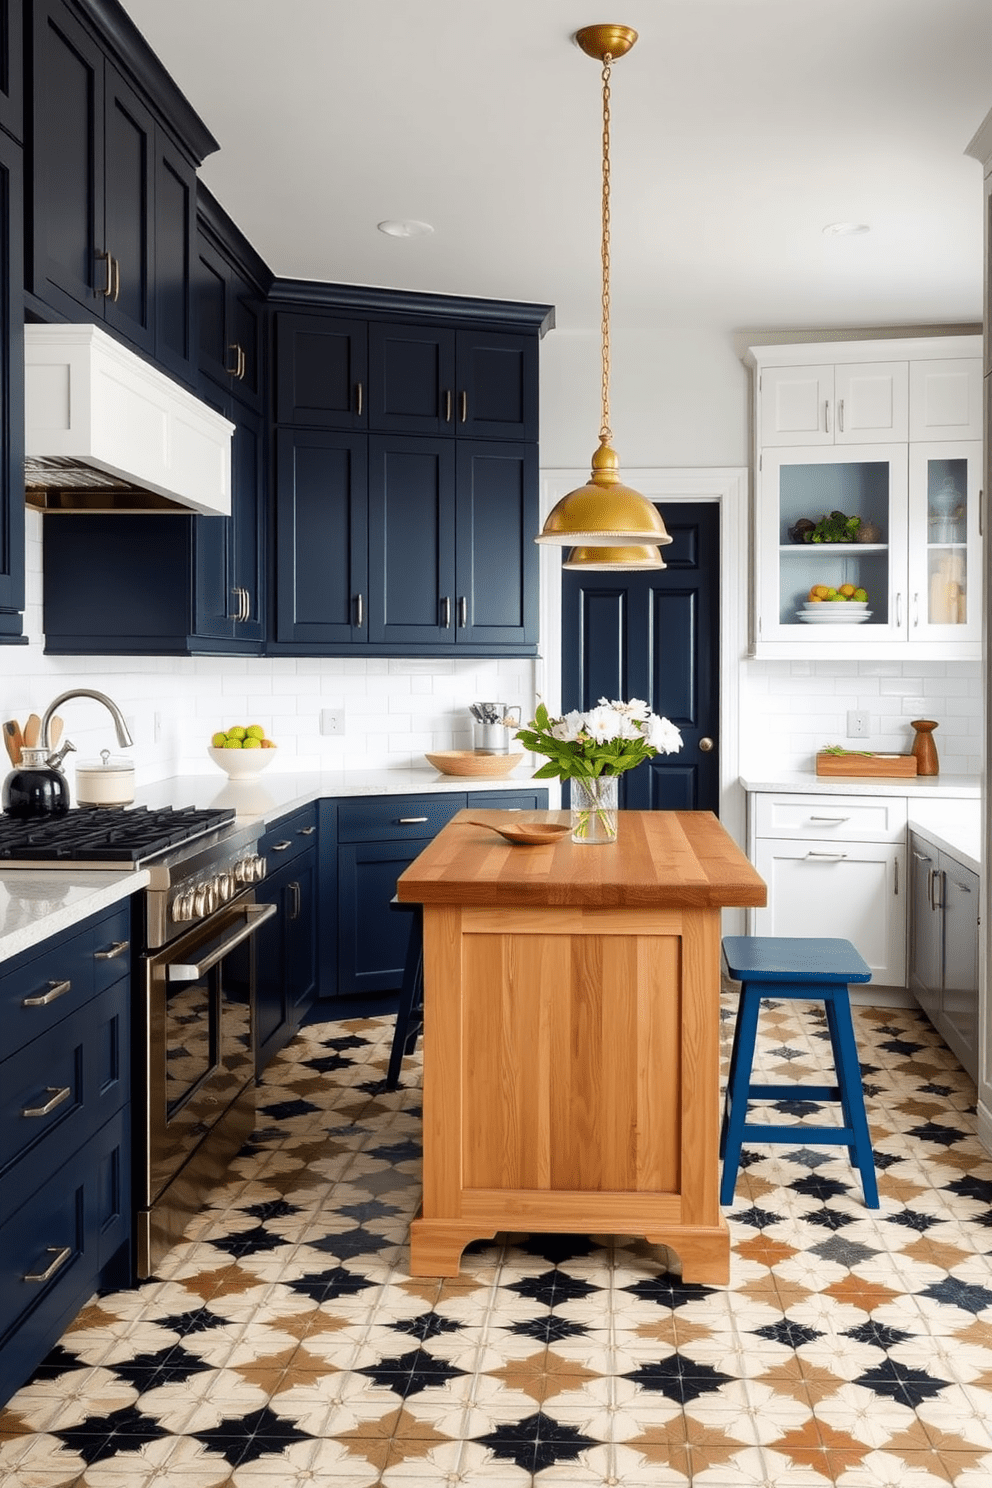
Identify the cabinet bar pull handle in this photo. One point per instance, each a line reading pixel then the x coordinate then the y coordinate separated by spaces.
pixel 896 889
pixel 294 889
pixel 981 513
pixel 447 405
pixel 836 820
pixel 840 416
pixel 359 612
pixel 247 613
pixel 359 395
pixel 305 831
pixel 409 821
pixel 61 1256
pixel 55 989
pixel 107 288
pixel 233 371
pixel 117 280
pixel 827 857
pixel 899 610
pixel 242 364
pixel 464 407
pixel 826 415
pixel 916 609
pixel 929 886
pixel 445 612
pixel 462 612
pixel 280 846
pixel 57 1094
pixel 117 948
pixel 940 875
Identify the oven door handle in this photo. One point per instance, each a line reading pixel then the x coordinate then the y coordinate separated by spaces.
pixel 255 915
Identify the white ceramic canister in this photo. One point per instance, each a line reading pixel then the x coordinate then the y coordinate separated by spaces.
pixel 104 782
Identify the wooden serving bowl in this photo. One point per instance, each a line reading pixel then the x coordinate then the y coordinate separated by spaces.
pixel 469 762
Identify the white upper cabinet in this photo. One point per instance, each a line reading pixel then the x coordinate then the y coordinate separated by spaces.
pixel 846 404
pixel 895 444
pixel 945 399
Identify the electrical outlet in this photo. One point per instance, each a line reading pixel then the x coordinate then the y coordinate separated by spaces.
pixel 332 720
pixel 857 724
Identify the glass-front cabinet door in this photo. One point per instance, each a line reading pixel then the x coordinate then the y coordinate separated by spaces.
pixel 945 545
pixel 832 546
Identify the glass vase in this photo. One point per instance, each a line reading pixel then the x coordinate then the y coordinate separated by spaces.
pixel 594 810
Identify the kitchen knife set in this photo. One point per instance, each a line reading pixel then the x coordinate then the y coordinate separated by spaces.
pixel 15 738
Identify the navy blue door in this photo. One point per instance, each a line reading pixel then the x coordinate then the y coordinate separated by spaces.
pixel 656 636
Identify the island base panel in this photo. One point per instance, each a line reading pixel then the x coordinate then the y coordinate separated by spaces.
pixel 436 1245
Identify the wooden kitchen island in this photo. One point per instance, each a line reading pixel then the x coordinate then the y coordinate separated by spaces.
pixel 571 1035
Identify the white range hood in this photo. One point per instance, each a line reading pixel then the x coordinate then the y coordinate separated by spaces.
pixel 106 431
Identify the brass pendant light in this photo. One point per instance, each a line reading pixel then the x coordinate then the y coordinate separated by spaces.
pixel 605 513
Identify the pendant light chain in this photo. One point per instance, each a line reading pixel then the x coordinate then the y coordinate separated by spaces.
pixel 605 432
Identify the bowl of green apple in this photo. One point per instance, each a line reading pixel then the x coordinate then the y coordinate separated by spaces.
pixel 242 750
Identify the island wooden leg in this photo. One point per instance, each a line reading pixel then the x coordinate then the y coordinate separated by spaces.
pixel 436 1245
pixel 704 1253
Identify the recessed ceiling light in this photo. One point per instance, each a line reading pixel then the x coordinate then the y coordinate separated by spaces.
pixel 845 229
pixel 406 228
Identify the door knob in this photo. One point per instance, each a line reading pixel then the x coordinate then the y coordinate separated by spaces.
pixel 706 745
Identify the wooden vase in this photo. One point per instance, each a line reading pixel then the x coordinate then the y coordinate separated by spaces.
pixel 924 747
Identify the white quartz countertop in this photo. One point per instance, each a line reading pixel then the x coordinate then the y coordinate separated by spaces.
pixel 953 826
pixel 273 795
pixel 35 903
pixel 917 787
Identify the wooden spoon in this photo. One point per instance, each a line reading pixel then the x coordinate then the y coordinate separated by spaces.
pixel 32 731
pixel 527 834
pixel 12 739
pixel 55 727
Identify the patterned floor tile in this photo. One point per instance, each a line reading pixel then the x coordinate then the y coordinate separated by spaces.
pixel 283 1341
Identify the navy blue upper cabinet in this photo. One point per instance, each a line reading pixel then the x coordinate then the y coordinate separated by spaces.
pixel 229 569
pixel 12 68
pixel 11 397
pixel 496 558
pixel 412 598
pixel 405 378
pixel 321 372
pixel 112 193
pixel 230 317
pixel 321 540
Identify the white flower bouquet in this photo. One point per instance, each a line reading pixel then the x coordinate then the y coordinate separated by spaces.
pixel 610 738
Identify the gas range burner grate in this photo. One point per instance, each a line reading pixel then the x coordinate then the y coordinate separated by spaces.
pixel 106 835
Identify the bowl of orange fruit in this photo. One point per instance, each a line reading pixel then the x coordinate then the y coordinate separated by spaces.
pixel 847 604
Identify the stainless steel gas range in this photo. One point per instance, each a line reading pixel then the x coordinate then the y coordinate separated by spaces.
pixel 193 1055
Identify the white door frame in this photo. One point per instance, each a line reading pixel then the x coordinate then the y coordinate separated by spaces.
pixel 727 485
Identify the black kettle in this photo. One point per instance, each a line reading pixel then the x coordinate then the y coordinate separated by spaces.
pixel 35 788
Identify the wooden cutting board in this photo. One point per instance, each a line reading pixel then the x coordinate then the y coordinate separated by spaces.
pixel 852 765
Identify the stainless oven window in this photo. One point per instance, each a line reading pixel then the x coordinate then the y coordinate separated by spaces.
pixel 198 1034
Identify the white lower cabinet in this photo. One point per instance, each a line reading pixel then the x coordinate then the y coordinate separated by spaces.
pixel 834 866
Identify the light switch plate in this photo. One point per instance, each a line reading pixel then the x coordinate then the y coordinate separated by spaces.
pixel 332 720
pixel 857 724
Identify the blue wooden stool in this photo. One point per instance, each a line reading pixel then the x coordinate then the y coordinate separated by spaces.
pixel 410 1014
pixel 798 969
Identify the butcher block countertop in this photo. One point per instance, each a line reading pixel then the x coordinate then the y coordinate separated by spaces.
pixel 661 860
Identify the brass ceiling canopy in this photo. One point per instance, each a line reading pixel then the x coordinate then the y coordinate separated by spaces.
pixel 604 512
pixel 613 560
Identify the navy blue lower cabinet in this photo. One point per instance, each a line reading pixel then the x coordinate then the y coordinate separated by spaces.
pixel 65 1142
pixel 286 945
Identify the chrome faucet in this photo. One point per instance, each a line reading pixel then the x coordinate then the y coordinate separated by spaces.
pixel 123 737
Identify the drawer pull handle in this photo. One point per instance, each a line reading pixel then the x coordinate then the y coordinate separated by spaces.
pixel 61 1256
pixel 305 831
pixel 409 821
pixel 55 990
pixel 827 857
pixel 57 1095
pixel 836 820
pixel 280 846
pixel 117 948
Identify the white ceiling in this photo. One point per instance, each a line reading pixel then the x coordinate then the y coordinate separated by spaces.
pixel 740 129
